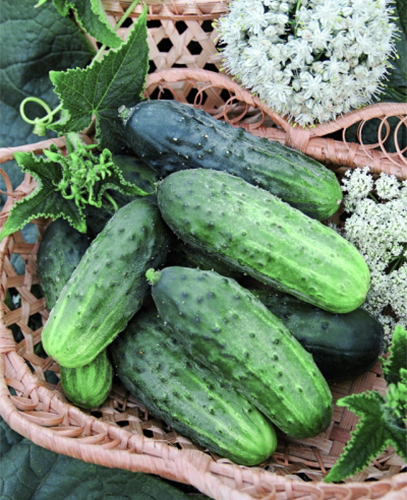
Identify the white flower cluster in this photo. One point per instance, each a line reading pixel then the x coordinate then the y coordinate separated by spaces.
pixel 309 59
pixel 378 228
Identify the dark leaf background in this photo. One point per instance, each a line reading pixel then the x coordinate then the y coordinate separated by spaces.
pixel 34 42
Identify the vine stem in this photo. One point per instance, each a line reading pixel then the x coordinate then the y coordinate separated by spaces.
pixel 40 124
pixel 129 10
pixel 7 154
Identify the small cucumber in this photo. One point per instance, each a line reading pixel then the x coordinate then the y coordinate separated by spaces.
pixel 88 386
pixel 108 287
pixel 171 136
pixel 257 233
pixel 60 251
pixel 156 370
pixel 223 326
pixel 342 345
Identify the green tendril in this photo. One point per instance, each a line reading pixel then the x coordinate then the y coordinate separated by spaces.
pixel 40 124
pixel 81 171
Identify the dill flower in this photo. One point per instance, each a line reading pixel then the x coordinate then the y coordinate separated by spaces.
pixel 377 226
pixel 309 59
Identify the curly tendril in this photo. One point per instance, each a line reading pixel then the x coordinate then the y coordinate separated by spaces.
pixel 40 124
pixel 81 171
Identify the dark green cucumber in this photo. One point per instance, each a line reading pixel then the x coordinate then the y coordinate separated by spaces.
pixel 88 386
pixel 60 251
pixel 342 345
pixel 134 171
pixel 223 326
pixel 171 136
pixel 156 370
pixel 259 234
pixel 108 286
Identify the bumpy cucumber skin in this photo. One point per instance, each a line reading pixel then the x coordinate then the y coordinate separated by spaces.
pixel 182 254
pixel 60 251
pixel 108 286
pixel 342 345
pixel 171 136
pixel 88 386
pixel 159 373
pixel 268 239
pixel 134 171
pixel 223 326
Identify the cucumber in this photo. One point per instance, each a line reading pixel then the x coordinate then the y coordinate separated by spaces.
pixel 342 345
pixel 134 171
pixel 223 326
pixel 171 136
pixel 259 234
pixel 60 251
pixel 108 286
pixel 182 254
pixel 156 370
pixel 88 386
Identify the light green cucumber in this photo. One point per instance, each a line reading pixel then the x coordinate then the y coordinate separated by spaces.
pixel 257 233
pixel 108 286
pixel 88 386
pixel 226 328
pixel 157 371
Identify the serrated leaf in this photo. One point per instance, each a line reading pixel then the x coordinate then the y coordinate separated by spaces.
pixel 368 439
pixel 44 201
pixel 398 356
pixel 50 42
pixel 99 90
pixel 92 18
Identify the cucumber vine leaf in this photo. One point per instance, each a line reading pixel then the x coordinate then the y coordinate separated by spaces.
pixel 66 184
pixel 101 88
pixel 91 16
pixel 383 419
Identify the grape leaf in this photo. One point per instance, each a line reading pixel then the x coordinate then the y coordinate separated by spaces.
pixel 92 18
pixel 100 89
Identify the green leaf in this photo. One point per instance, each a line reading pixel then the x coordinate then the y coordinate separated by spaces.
pixel 8 438
pixel 31 472
pixel 396 82
pixel 92 18
pixel 398 356
pixel 41 41
pixel 118 79
pixel 368 439
pixel 44 201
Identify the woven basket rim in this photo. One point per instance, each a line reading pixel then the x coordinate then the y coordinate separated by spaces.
pixel 188 466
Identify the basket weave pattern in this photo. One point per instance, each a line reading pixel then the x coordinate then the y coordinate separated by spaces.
pixel 122 433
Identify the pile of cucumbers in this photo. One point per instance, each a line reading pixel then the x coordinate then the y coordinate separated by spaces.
pixel 221 301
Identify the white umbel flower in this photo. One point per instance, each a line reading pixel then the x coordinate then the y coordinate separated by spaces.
pixel 334 51
pixel 378 229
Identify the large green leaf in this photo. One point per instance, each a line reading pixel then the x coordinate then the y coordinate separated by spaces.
pixel 93 19
pixel 30 472
pixel 33 42
pixel 99 90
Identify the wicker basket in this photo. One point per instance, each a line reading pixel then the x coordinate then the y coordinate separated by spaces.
pixel 121 433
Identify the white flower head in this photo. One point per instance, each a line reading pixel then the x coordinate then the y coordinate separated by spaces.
pixel 378 229
pixel 343 45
